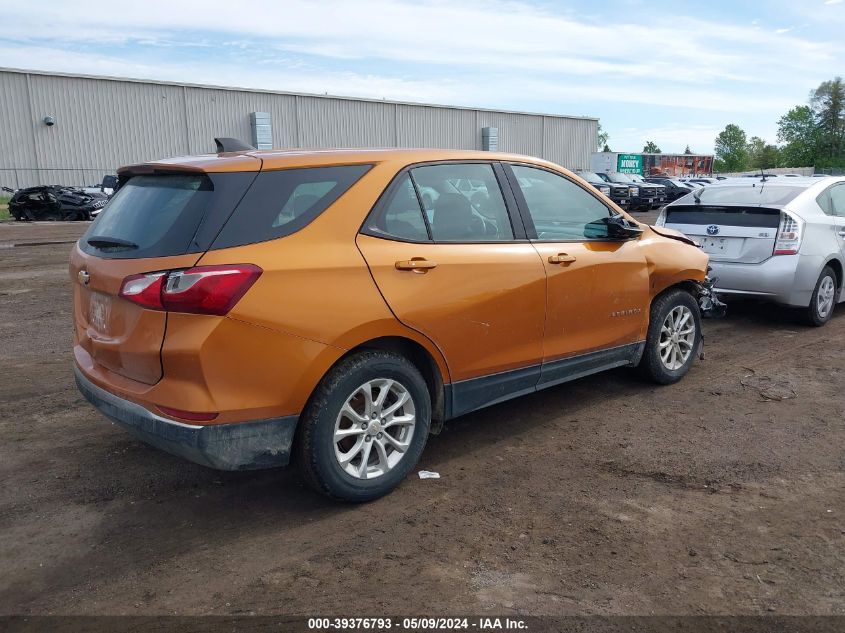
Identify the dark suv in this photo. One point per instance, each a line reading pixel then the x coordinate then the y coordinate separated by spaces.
pixel 650 196
pixel 674 188
pixel 620 194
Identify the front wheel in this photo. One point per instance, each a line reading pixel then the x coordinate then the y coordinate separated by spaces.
pixel 823 299
pixel 365 427
pixel 674 337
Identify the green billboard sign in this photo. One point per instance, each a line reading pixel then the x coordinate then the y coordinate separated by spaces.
pixel 630 164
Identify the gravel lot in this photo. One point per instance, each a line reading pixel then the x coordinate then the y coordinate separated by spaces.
pixel 604 496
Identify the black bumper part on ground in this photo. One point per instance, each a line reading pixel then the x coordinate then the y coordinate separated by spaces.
pixel 241 446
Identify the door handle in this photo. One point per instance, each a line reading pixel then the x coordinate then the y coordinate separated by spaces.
pixel 561 258
pixel 416 264
pixel 842 232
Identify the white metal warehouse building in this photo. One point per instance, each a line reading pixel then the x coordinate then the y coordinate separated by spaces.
pixel 101 123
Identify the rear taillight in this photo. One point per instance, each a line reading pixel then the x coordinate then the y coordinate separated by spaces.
pixel 789 235
pixel 145 290
pixel 200 290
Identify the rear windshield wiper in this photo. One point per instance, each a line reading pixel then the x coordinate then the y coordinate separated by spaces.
pixel 103 241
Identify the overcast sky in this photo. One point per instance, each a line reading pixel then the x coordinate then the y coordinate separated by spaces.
pixel 671 72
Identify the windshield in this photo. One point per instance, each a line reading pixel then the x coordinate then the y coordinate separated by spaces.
pixel 616 176
pixel 636 178
pixel 754 194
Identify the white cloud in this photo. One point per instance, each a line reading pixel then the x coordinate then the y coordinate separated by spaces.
pixel 833 1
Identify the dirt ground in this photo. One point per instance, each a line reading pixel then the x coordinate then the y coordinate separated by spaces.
pixel 604 496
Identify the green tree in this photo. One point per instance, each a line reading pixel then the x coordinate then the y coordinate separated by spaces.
pixel 651 148
pixel 731 148
pixel 687 150
pixel 601 137
pixel 799 134
pixel 828 104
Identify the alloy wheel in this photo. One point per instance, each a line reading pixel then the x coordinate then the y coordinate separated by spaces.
pixel 374 428
pixel 677 337
pixel 825 297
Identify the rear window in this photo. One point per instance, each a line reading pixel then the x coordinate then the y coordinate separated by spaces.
pixel 166 214
pixel 159 215
pixel 282 202
pixel 760 193
pixel 731 216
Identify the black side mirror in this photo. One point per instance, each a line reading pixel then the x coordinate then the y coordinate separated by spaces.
pixel 619 228
pixel 109 182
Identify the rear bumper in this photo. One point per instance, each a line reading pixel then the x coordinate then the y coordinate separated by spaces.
pixel 240 446
pixel 786 279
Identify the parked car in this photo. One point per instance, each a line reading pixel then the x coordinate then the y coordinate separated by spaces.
pixel 782 241
pixel 620 194
pixel 660 196
pixel 648 197
pixel 674 188
pixel 55 203
pixel 241 308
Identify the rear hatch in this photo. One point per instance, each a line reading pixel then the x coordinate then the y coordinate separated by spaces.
pixel 728 233
pixel 156 221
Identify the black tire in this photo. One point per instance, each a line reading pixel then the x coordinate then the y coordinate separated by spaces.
pixel 314 450
pixel 812 315
pixel 651 365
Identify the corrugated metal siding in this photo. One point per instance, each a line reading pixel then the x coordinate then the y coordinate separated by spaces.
pixel 102 124
pixel 218 113
pixel 570 142
pixel 420 126
pixel 17 147
pixel 518 133
pixel 341 123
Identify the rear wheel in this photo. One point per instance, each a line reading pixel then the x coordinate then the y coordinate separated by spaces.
pixel 365 427
pixel 823 299
pixel 674 337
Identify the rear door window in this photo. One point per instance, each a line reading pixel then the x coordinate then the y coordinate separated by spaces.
pixel 837 200
pixel 401 216
pixel 466 203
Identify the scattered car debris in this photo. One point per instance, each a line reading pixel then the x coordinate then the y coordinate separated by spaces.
pixel 428 474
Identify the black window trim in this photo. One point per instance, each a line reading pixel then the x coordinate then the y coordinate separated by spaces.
pixel 514 216
pixel 528 221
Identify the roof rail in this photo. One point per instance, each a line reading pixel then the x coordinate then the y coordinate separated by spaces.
pixel 231 145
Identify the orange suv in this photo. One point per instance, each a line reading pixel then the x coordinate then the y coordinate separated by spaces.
pixel 335 307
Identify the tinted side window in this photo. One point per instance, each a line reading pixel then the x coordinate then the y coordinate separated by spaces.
pixel 284 201
pixel 559 208
pixel 463 202
pixel 401 215
pixel 837 200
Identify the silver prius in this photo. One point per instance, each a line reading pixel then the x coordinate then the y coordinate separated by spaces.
pixel 777 239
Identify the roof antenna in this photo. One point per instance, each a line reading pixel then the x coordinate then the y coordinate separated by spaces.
pixel 231 145
pixel 762 175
